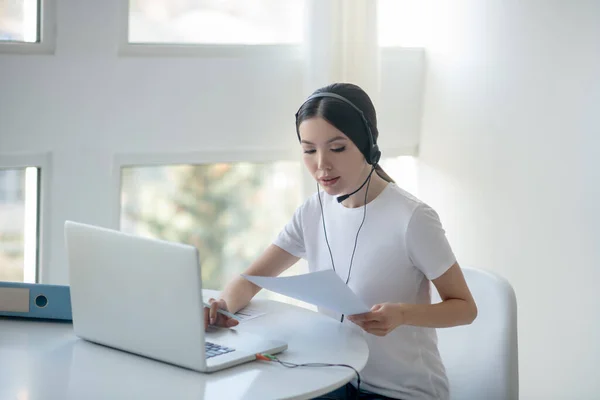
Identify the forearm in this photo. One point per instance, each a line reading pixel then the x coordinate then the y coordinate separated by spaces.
pixel 448 313
pixel 238 293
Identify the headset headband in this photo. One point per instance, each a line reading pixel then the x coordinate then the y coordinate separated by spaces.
pixel 374 154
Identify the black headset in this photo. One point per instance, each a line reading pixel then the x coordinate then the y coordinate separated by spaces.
pixel 374 153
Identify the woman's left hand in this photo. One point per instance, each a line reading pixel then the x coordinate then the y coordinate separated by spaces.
pixel 381 320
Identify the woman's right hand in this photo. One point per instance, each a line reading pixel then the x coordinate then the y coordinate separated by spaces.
pixel 212 317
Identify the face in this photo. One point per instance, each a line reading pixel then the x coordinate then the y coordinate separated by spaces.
pixel 331 157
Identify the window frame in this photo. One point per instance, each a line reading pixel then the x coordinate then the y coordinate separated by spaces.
pixel 43 162
pixel 47 33
pixel 125 48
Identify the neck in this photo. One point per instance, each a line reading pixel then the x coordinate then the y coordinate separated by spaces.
pixel 376 186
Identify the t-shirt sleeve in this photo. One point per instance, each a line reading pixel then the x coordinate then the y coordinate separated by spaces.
pixel 426 242
pixel 291 237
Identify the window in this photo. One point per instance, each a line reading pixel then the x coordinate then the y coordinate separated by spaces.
pixel 229 211
pixel 19 190
pixel 402 23
pixel 255 22
pixel 19 21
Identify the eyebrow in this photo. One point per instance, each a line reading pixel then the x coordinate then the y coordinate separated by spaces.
pixel 329 141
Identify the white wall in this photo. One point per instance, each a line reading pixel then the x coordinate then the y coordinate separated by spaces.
pixel 85 103
pixel 510 158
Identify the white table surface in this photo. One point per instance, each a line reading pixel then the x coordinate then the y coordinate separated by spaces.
pixel 45 360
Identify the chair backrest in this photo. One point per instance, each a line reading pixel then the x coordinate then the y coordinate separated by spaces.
pixel 481 359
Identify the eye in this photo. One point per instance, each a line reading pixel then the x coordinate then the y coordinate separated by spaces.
pixel 339 149
pixel 309 151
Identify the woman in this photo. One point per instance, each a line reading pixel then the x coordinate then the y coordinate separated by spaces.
pixel 402 248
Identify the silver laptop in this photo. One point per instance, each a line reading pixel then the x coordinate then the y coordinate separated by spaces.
pixel 144 296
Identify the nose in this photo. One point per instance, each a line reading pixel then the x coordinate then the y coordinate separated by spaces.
pixel 323 162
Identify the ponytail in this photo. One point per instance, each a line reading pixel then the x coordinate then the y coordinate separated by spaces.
pixel 382 174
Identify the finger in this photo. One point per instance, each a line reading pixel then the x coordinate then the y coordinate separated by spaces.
pixel 375 316
pixel 360 317
pixel 206 311
pixel 213 315
pixel 221 320
pixel 230 322
pixel 367 326
pixel 376 307
pixel 376 325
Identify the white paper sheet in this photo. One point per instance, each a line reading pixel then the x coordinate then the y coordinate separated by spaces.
pixel 323 289
pixel 248 312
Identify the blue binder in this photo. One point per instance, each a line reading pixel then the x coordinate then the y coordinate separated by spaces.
pixel 35 300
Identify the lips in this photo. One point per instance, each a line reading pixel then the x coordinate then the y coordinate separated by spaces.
pixel 329 181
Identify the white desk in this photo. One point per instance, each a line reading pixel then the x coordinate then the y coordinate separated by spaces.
pixel 45 360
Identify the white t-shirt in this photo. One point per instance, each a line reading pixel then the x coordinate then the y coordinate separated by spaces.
pixel 401 246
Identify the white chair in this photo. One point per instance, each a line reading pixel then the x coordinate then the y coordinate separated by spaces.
pixel 482 358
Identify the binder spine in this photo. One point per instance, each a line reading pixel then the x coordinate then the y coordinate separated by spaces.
pixel 35 300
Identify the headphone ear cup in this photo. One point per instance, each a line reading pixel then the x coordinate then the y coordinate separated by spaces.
pixel 375 154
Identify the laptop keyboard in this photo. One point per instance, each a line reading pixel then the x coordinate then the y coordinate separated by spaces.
pixel 213 350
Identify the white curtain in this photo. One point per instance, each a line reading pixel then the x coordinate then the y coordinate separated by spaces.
pixel 341 44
